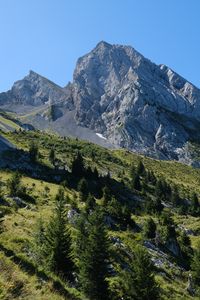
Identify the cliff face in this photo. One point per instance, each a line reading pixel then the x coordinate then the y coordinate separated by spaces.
pixel 135 103
pixel 123 96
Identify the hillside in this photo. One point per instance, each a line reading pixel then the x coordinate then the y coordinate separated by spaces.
pixel 138 188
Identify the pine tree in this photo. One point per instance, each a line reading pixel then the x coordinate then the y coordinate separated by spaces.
pixel 186 250
pixel 140 168
pixel 136 183
pixel 52 156
pixel 175 197
pixel 14 184
pixel 159 189
pixel 95 173
pixel 57 245
pixel 137 281
pixel 149 228
pixel 1 225
pixel 39 241
pixel 83 189
pixel 107 196
pixel 92 246
pixel 33 152
pixel 158 207
pixel 196 265
pixel 195 206
pixel 132 171
pixel 90 203
pixel 78 168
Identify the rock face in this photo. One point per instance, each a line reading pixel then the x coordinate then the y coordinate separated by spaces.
pixel 122 96
pixel 135 103
pixel 33 90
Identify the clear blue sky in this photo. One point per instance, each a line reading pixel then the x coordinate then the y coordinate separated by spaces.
pixel 48 36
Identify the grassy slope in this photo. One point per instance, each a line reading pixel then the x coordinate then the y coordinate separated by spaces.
pixel 19 223
pixel 186 177
pixel 7 123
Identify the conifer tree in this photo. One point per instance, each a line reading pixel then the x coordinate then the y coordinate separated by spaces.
pixel 90 203
pixel 92 246
pixel 136 183
pixel 150 228
pixel 83 189
pixel 175 198
pixel 39 241
pixel 140 168
pixel 186 250
pixel 159 189
pixel 132 171
pixel 158 207
pixel 1 225
pixel 107 196
pixel 33 152
pixel 137 281
pixel 195 207
pixel 196 265
pixel 57 245
pixel 14 184
pixel 95 173
pixel 78 168
pixel 52 156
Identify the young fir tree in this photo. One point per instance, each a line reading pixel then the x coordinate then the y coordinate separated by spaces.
pixel 78 168
pixel 158 206
pixel 107 196
pixel 39 242
pixel 92 250
pixel 137 281
pixel 195 207
pixel 14 184
pixel 149 229
pixel 140 169
pixel 90 204
pixel 83 189
pixel 185 247
pixel 175 197
pixel 136 183
pixel 57 245
pixel 1 224
pixel 132 171
pixel 195 266
pixel 52 156
pixel 33 152
pixel 159 189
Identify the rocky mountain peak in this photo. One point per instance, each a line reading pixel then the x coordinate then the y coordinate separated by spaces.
pixel 123 96
pixel 135 103
pixel 102 45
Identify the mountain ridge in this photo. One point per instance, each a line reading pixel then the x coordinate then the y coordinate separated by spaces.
pixel 119 94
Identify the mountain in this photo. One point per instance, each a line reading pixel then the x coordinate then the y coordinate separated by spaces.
pixel 118 98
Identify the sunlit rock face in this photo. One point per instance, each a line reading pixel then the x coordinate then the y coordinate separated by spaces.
pixel 135 103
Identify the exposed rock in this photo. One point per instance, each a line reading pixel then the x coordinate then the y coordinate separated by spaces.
pixel 19 202
pixel 33 90
pixel 117 93
pixel 133 102
pixel 72 216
